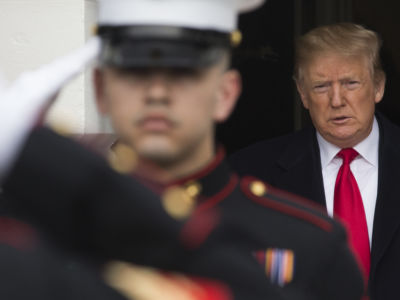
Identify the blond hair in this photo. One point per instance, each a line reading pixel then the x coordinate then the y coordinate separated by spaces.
pixel 346 39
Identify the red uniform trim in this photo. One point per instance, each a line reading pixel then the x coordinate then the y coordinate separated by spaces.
pixel 285 208
pixel 221 195
pixel 304 201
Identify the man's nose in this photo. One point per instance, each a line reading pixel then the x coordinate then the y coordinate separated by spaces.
pixel 337 97
pixel 158 87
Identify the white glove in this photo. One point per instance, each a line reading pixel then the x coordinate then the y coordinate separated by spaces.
pixel 22 102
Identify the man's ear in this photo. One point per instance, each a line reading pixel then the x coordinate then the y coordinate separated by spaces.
pixel 99 90
pixel 228 94
pixel 300 89
pixel 380 87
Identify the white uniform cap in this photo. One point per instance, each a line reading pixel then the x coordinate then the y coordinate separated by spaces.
pixel 219 15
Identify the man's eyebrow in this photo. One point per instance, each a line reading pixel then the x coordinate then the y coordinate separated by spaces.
pixel 350 77
pixel 320 81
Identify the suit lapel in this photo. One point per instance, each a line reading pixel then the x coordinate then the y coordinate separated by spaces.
pixel 387 217
pixel 301 166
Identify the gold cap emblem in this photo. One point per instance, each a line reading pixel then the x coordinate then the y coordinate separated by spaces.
pixel 236 38
pixel 258 188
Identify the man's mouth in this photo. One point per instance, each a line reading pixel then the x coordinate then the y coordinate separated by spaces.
pixel 155 123
pixel 340 120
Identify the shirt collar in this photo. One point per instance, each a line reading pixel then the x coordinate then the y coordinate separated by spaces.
pixel 368 148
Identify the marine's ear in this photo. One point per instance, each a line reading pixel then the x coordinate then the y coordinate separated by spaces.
pixel 228 94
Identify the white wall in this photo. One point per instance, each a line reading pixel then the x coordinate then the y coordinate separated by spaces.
pixel 34 32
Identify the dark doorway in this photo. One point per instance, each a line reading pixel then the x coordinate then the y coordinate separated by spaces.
pixel 264 59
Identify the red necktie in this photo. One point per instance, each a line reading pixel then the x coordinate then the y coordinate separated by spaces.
pixel 348 206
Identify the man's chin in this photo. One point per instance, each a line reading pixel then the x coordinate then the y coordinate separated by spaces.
pixel 343 139
pixel 158 154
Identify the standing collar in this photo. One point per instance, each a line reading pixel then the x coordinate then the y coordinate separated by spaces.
pixel 368 148
pixel 213 180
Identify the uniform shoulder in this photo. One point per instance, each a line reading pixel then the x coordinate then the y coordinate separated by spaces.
pixel 287 204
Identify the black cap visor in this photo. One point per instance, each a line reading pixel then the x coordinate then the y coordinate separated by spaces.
pixel 186 48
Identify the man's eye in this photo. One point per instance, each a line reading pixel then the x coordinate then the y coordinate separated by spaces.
pixel 319 88
pixel 352 84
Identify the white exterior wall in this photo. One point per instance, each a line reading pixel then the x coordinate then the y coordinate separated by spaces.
pixel 34 32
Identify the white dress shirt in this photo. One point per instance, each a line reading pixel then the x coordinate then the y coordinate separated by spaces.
pixel 364 168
